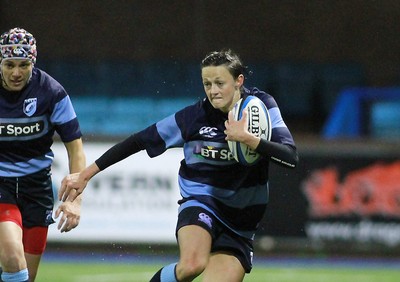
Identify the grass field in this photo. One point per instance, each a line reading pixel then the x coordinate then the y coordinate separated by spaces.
pixel 104 272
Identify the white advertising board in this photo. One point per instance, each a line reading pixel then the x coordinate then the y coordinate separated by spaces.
pixel 134 200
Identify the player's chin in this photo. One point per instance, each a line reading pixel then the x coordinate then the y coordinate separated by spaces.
pixel 220 105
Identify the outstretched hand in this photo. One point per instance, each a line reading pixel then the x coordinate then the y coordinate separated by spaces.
pixel 71 187
pixel 71 214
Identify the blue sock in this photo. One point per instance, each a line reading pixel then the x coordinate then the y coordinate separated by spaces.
pixel 165 274
pixel 168 273
pixel 20 276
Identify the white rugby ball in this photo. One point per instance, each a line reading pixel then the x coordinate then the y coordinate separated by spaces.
pixel 259 123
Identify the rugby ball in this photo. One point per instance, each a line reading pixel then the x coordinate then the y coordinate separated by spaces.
pixel 259 123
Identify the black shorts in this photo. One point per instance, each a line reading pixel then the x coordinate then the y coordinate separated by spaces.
pixel 223 239
pixel 33 194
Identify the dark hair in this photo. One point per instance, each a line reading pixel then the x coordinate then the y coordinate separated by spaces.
pixel 225 57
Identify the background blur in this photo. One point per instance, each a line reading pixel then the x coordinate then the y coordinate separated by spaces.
pixel 333 67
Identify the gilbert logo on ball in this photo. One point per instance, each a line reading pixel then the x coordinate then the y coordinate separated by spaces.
pixel 259 124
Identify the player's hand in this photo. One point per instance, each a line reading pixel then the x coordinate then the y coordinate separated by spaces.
pixel 236 130
pixel 70 215
pixel 71 187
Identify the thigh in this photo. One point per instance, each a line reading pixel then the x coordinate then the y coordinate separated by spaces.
pixel 11 243
pixel 11 247
pixel 223 267
pixel 194 243
pixel 194 233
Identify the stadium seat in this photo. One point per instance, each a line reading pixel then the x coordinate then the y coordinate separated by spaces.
pixel 78 78
pixel 118 116
pixel 384 120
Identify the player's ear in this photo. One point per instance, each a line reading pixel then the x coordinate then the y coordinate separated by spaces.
pixel 239 81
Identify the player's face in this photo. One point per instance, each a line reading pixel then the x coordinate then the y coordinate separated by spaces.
pixel 16 74
pixel 222 90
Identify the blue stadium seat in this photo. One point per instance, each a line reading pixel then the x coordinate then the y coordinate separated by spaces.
pixel 385 119
pixel 77 77
pixel 123 116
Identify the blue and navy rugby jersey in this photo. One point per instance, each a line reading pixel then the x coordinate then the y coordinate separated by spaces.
pixel 28 120
pixel 209 176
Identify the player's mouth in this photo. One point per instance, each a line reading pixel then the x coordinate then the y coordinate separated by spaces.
pixel 16 83
pixel 216 97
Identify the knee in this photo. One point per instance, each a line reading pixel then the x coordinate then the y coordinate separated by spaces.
pixel 12 258
pixel 188 269
pixel 13 263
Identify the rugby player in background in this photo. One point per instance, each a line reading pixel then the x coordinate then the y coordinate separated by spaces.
pixel 33 106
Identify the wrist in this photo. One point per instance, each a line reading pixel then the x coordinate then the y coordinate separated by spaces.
pixel 252 141
pixel 89 172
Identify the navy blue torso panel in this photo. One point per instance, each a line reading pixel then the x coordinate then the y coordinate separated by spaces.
pixel 28 120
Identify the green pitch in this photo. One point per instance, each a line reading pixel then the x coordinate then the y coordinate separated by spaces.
pixel 102 272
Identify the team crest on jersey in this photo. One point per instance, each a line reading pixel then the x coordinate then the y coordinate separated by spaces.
pixel 208 132
pixel 30 106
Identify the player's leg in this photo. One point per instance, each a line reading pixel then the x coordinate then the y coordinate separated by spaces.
pixel 231 257
pixel 194 229
pixel 33 262
pixel 223 267
pixel 34 239
pixel 194 248
pixel 12 257
pixel 36 196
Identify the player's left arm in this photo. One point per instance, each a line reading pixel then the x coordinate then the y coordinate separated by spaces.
pixel 71 210
pixel 283 154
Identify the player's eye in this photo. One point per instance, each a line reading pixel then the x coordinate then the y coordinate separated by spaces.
pixel 8 66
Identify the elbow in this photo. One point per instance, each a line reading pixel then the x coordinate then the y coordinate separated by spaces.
pixel 295 160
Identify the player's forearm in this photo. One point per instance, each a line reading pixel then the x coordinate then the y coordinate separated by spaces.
pixel 280 153
pixel 77 162
pixel 76 155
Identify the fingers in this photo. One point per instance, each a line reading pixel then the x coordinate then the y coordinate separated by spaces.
pixel 66 223
pixel 57 213
pixel 244 116
pixel 69 219
pixel 61 225
pixel 230 116
pixel 63 189
pixel 67 190
pixel 72 194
